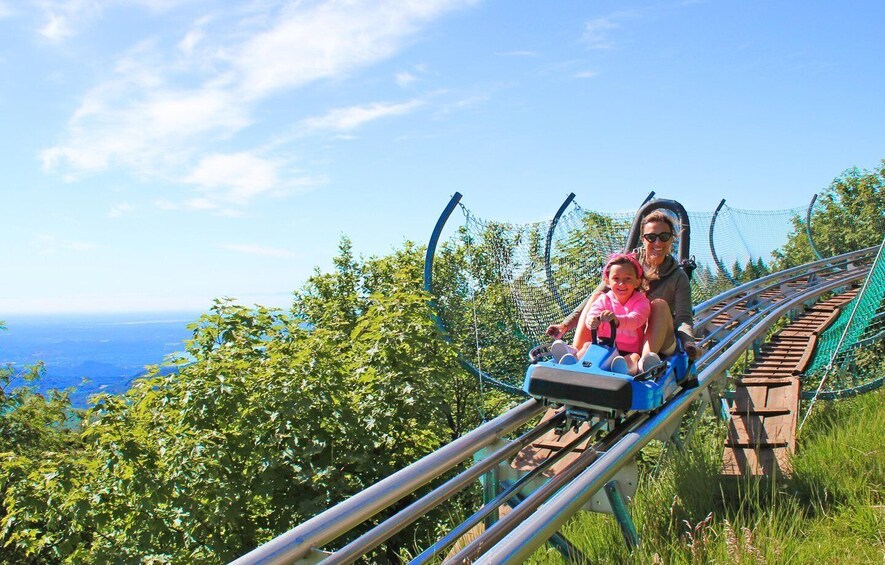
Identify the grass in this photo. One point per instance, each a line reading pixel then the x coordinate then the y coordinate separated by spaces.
pixel 831 510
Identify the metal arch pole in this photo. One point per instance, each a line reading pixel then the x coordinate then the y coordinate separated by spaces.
pixel 428 287
pixel 431 249
pixel 341 518
pixel 716 258
pixel 808 228
pixel 521 542
pixel 548 269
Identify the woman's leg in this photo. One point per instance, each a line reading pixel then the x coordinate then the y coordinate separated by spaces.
pixel 582 332
pixel 659 334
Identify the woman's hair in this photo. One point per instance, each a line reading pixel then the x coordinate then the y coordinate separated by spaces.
pixel 660 216
pixel 625 259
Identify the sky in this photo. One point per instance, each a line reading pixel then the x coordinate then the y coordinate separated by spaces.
pixel 157 154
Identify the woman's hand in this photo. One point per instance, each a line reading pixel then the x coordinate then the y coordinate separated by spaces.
pixel 556 331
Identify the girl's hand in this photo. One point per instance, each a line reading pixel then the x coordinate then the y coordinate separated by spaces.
pixel 604 317
pixel 608 316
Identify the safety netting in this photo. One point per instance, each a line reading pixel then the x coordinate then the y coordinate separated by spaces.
pixel 502 284
pixel 849 352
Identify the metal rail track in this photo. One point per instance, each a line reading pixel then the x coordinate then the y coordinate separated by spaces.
pixel 729 324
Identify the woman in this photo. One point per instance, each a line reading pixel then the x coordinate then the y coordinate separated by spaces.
pixel 668 291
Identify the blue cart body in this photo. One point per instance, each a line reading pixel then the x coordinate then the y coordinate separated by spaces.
pixel 589 384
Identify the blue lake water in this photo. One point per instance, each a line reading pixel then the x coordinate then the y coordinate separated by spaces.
pixel 107 350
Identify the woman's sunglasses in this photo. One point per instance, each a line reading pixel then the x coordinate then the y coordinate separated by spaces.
pixel 653 237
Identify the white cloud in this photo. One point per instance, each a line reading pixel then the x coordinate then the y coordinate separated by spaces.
pixel 163 107
pixel 120 210
pixel 235 178
pixel 343 119
pixel 6 10
pixel 260 250
pixel 51 245
pixel 596 33
pixel 314 41
pixel 139 122
pixel 66 18
pixel 63 19
pixel 585 74
pixel 404 78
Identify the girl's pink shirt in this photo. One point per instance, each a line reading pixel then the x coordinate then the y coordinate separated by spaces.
pixel 632 318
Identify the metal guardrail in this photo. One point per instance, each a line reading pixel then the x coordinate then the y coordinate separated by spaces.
pixel 320 530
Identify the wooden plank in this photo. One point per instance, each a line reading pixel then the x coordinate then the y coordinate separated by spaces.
pixel 760 411
pixel 764 382
pixel 547 445
pixel 828 321
pixel 749 462
pixel 758 430
pixel 750 397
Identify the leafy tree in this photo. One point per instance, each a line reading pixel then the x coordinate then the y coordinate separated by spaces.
pixel 848 216
pixel 34 435
pixel 268 419
pixel 749 272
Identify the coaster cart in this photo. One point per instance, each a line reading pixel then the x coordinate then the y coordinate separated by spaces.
pixel 589 388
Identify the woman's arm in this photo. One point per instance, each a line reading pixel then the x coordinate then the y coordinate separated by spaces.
pixel 683 318
pixel 556 331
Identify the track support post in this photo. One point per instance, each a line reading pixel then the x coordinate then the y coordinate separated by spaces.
pixel 491 480
pixel 622 514
pixel 490 486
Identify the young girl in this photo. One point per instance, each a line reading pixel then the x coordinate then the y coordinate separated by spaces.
pixel 627 306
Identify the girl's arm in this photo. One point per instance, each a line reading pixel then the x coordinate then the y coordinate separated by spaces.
pixel 596 308
pixel 637 316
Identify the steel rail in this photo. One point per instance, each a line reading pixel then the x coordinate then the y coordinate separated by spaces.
pixel 475 549
pixel 502 498
pixel 383 531
pixel 327 526
pixel 521 542
pixel 845 257
pixel 756 290
pixel 508 523
pixel 729 338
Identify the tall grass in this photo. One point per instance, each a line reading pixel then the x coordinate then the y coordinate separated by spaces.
pixel 831 510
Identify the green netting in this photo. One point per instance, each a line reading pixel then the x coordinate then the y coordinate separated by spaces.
pixel 744 241
pixel 849 352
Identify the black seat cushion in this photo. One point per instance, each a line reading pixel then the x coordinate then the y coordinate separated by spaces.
pixel 580 387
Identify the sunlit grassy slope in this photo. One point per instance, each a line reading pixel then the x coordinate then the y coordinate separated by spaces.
pixel 832 510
